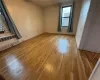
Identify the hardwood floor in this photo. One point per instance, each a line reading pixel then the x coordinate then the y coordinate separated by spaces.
pixel 47 57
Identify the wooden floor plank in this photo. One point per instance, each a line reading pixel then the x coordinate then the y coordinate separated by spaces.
pixel 47 57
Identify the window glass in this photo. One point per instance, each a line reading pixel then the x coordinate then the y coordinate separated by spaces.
pixel 1 28
pixel 65 21
pixel 66 12
pixel 3 25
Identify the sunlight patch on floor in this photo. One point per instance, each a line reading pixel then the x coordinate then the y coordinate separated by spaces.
pixel 14 65
pixel 63 46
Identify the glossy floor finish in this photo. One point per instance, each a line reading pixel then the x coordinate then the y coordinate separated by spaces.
pixel 47 57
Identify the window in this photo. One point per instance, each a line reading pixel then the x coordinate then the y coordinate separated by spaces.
pixel 66 12
pixel 1 21
pixel 3 24
pixel 6 22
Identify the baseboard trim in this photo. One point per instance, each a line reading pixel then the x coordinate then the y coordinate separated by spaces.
pixel 93 72
pixel 59 34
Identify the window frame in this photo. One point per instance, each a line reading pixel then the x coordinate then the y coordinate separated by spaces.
pixel 66 17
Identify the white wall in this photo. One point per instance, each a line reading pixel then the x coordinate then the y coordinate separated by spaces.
pixel 27 16
pixel 51 15
pixel 51 18
pixel 90 40
pixel 82 20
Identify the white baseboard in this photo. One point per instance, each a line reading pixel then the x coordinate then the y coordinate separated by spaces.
pixel 96 72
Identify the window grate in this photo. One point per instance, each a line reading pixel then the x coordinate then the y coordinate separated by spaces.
pixel 7 38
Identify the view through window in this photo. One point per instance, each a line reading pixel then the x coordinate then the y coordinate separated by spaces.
pixel 1 27
pixel 3 24
pixel 66 12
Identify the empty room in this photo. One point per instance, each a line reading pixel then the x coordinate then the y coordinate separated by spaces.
pixel 49 39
